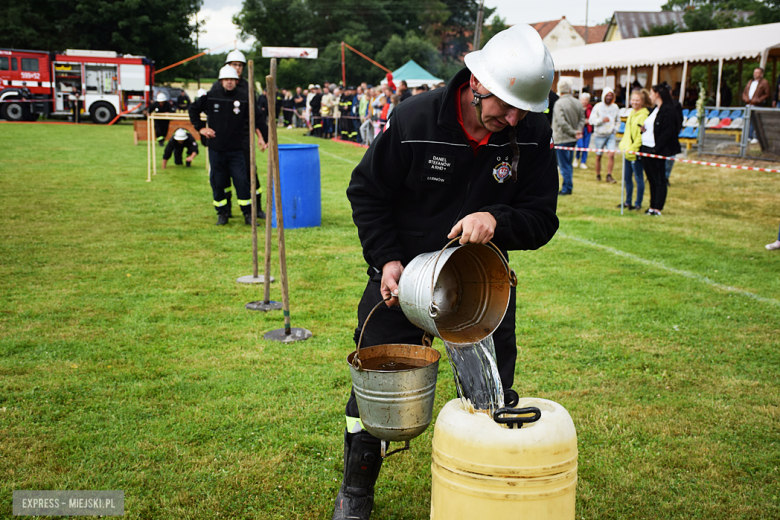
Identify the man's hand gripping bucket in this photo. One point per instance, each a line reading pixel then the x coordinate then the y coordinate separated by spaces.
pixel 459 294
pixel 394 386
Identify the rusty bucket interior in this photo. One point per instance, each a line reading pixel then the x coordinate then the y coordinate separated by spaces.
pixel 395 386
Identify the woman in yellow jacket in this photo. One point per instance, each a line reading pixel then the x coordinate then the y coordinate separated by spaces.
pixel 631 142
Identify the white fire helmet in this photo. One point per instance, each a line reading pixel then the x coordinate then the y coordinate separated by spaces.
pixel 202 92
pixel 161 97
pixel 516 67
pixel 228 72
pixel 235 55
pixel 180 134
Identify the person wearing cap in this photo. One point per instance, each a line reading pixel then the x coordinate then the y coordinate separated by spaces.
pixel 605 119
pixel 181 139
pixel 161 105
pixel 227 112
pixel 473 160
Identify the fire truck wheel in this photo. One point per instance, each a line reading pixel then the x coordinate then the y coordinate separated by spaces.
pixel 102 113
pixel 15 110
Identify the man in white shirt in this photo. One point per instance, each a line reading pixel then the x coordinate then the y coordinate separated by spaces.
pixel 605 119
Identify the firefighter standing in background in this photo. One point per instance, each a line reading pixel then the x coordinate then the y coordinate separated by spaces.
pixel 181 139
pixel 227 112
pixel 345 110
pixel 161 106
pixel 236 59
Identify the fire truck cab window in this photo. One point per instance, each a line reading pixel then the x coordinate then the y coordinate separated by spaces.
pixel 13 64
pixel 3 63
pixel 30 64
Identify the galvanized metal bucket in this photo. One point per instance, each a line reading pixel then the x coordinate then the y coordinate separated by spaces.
pixel 395 387
pixel 459 294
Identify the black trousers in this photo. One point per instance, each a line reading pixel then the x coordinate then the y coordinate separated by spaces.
pixel 655 169
pixel 389 325
pixel 161 128
pixel 227 165
pixel 227 188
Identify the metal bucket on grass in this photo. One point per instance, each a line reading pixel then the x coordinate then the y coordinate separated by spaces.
pixel 395 387
pixel 459 294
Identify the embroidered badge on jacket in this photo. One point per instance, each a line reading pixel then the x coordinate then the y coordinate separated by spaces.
pixel 502 171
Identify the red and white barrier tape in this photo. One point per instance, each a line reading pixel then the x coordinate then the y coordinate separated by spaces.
pixel 654 156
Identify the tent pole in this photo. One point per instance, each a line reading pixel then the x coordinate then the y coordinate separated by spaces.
pixel 655 75
pixel 605 83
pixel 684 82
pixel 720 75
pixel 628 84
pixel 739 74
pixel 582 80
pixel 764 57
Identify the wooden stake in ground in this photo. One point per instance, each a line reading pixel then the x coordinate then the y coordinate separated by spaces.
pixel 269 186
pixel 266 304
pixel 254 278
pixel 287 334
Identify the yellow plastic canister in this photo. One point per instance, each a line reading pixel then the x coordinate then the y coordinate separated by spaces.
pixel 484 470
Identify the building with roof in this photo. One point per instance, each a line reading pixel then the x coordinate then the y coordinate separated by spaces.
pixel 648 61
pixel 630 24
pixel 561 34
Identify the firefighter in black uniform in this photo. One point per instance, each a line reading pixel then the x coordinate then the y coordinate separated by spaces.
pixel 161 106
pixel 236 59
pixel 181 139
pixel 316 119
pixel 345 107
pixel 227 111
pixel 473 160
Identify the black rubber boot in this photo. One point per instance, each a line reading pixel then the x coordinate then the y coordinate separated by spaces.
pixel 260 212
pixel 222 219
pixel 362 462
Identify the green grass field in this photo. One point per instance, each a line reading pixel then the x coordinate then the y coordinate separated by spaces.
pixel 128 361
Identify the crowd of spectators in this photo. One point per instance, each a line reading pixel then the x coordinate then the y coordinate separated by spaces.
pixel 653 124
pixel 351 113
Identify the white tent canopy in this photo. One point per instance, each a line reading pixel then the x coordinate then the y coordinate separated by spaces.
pixel 724 44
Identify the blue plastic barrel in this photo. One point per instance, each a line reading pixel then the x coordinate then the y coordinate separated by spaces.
pixel 299 171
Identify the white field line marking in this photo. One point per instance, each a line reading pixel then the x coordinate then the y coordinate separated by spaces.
pixel 652 263
pixel 321 151
pixel 659 265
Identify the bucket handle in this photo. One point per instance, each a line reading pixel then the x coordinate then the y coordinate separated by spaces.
pixel 427 339
pixel 433 309
pixel 356 360
pixel 517 421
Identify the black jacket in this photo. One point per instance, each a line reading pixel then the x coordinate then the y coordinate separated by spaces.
pixel 178 146
pixel 420 177
pixel 666 130
pixel 315 104
pixel 228 114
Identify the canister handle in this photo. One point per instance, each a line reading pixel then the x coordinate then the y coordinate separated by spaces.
pixel 433 309
pixel 355 360
pixel 517 421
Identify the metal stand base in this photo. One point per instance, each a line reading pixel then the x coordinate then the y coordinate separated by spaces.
pixel 264 306
pixel 251 279
pixel 296 334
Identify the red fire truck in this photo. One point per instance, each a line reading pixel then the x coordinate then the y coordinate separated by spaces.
pixel 100 84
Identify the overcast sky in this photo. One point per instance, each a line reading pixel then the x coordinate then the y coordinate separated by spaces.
pixel 220 30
